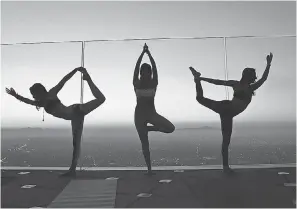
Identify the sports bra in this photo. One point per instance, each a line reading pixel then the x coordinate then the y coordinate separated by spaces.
pixel 145 92
pixel 145 99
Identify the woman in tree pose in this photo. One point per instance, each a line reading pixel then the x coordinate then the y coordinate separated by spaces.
pixel 145 112
pixel 75 113
pixel 243 92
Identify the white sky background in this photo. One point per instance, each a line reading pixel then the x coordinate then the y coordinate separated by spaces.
pixel 111 64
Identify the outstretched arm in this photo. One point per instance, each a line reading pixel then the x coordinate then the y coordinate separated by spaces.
pixel 55 90
pixel 265 74
pixel 197 75
pixel 12 92
pixel 219 82
pixel 154 68
pixel 137 66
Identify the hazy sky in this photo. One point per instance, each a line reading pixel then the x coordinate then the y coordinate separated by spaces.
pixel 111 64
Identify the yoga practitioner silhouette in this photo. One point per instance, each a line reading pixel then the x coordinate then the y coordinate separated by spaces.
pixel 243 92
pixel 76 112
pixel 145 112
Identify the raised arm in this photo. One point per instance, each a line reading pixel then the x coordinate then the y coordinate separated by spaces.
pixel 265 74
pixel 137 66
pixel 154 68
pixel 12 92
pixel 55 90
pixel 219 82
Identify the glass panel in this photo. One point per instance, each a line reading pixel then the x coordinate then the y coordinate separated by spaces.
pixel 263 133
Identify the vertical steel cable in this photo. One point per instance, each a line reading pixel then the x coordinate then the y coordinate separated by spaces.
pixel 83 65
pixel 225 66
pixel 82 89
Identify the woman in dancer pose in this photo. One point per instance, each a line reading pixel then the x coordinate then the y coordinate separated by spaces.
pixel 145 88
pixel 243 92
pixel 75 113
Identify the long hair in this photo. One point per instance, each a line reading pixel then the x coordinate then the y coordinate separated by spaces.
pixel 248 73
pixel 38 88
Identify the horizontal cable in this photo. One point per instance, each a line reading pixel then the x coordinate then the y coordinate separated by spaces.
pixel 148 39
pixel 269 36
pixel 42 42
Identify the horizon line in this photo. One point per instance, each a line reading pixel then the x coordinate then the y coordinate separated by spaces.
pixel 158 168
pixel 132 125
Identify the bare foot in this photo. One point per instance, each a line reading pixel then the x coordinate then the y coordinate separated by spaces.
pixel 195 73
pixel 150 173
pixel 70 173
pixel 86 76
pixel 228 170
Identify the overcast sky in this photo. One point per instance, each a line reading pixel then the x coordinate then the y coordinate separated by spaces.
pixel 111 64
